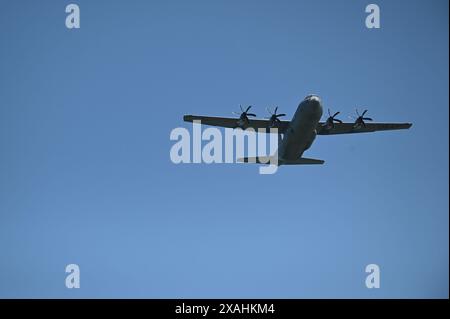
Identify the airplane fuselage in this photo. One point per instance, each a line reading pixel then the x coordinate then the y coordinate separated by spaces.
pixel 302 129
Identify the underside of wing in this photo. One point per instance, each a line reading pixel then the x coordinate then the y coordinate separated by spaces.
pixel 255 124
pixel 348 128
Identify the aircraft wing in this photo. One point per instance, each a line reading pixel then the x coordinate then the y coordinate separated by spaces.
pixel 348 128
pixel 233 122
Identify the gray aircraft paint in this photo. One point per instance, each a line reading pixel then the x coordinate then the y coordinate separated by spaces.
pixel 302 129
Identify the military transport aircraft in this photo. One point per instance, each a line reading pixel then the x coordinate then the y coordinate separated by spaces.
pixel 297 135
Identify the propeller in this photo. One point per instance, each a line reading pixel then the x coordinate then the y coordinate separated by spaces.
pixel 274 117
pixel 243 116
pixel 359 121
pixel 331 119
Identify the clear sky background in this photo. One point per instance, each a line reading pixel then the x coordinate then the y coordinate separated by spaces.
pixel 86 177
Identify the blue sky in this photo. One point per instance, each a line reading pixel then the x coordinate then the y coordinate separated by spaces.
pixel 86 177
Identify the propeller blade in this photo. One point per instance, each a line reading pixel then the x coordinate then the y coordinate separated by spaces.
pixel 337 120
pixel 365 111
pixel 248 108
pixel 279 115
pixel 276 109
pixel 367 119
pixel 240 106
pixel 336 114
pixel 251 114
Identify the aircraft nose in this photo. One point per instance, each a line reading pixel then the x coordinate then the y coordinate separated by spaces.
pixel 315 104
pixel 314 98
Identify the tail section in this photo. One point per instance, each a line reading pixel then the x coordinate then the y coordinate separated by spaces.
pixel 278 162
pixel 259 160
pixel 303 161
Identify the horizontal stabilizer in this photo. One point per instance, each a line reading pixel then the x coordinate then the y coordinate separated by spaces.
pixel 258 159
pixel 302 161
pixel 273 160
